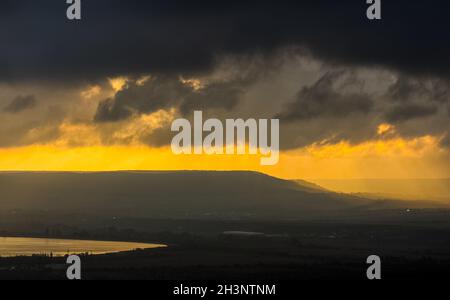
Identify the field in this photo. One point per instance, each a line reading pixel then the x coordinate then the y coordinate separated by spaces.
pixel 418 248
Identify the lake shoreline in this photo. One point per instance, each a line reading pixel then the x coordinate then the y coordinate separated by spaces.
pixel 37 246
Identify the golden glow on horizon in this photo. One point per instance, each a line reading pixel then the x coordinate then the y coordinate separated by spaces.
pixel 396 147
pixel 101 158
pixel 395 158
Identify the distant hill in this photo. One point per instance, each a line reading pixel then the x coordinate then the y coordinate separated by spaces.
pixel 176 195
pixel 407 189
pixel 311 187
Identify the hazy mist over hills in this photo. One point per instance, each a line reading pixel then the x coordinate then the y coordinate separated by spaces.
pixel 410 189
pixel 177 195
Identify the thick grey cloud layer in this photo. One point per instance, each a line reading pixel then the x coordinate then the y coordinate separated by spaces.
pixel 340 105
pixel 410 111
pixel 166 92
pixel 169 39
pixel 160 93
pixel 173 36
pixel 416 98
pixel 322 100
pixel 20 104
pixel 328 105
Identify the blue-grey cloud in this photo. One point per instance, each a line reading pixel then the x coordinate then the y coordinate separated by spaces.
pixel 134 36
pixel 20 104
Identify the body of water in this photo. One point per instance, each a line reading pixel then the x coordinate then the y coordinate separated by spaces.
pixel 29 246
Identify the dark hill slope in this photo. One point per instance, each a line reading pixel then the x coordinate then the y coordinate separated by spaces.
pixel 170 195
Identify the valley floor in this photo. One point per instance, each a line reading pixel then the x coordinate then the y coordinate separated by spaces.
pixel 287 251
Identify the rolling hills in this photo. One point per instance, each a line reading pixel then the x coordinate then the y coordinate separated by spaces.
pixel 184 194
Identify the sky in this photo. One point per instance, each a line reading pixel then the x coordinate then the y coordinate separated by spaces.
pixel 355 98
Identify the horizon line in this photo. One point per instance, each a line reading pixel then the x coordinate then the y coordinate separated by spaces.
pixel 211 171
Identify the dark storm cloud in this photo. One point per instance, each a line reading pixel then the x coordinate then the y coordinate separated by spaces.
pixel 323 100
pixel 20 104
pixel 407 89
pixel 348 105
pixel 407 112
pixel 159 93
pixel 416 98
pixel 178 36
pixel 165 92
pixel 404 89
pixel 223 95
pixel 446 140
pixel 170 39
pixel 338 106
pixel 441 91
pixel 158 138
pixel 38 131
